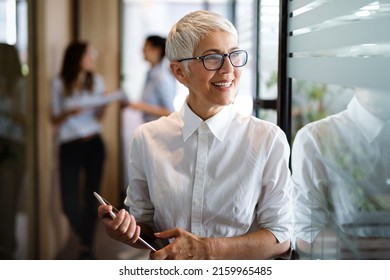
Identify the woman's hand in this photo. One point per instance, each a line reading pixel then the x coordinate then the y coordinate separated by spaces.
pixel 185 246
pixel 123 228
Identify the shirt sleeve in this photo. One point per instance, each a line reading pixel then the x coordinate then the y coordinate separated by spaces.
pixel 56 97
pixel 100 86
pixel 138 198
pixel 274 210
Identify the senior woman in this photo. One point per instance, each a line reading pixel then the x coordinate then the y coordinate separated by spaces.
pixel 210 182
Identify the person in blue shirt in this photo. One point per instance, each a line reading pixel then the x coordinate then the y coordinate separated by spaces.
pixel 79 134
pixel 160 85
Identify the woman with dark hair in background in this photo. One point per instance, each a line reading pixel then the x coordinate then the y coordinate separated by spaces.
pixel 79 135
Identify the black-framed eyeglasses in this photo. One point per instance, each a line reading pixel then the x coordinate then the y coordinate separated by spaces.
pixel 215 61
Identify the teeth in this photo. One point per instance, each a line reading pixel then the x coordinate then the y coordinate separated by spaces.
pixel 227 84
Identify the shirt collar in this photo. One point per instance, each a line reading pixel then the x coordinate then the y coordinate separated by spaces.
pixel 368 124
pixel 218 124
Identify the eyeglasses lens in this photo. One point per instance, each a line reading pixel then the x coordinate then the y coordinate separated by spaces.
pixel 215 61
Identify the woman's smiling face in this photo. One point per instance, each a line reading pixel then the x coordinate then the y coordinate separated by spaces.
pixel 209 91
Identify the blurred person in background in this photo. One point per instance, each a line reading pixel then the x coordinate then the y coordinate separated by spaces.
pixel 81 150
pixel 160 85
pixel 12 145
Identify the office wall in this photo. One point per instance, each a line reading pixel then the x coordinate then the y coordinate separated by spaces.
pixel 53 32
pixel 54 26
pixel 337 64
pixel 99 24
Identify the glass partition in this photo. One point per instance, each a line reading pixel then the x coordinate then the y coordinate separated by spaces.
pixel 15 132
pixel 338 61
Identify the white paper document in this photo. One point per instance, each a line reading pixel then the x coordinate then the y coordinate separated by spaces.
pixel 92 102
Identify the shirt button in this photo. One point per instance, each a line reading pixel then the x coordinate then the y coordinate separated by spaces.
pixel 197 203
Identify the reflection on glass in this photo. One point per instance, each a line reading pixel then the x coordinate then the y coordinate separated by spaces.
pixel 314 101
pixel 12 145
pixel 341 175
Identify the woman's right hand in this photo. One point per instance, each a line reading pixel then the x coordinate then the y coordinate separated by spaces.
pixel 122 228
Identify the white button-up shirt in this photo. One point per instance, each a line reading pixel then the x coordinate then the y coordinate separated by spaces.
pixel 221 177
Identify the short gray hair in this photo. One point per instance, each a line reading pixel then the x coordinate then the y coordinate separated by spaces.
pixel 185 35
